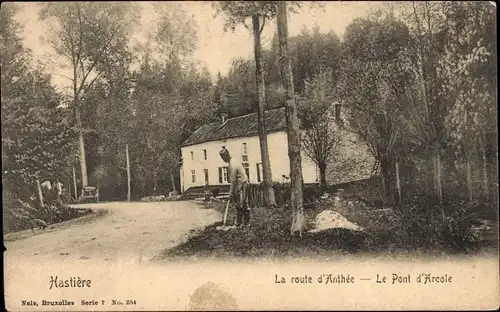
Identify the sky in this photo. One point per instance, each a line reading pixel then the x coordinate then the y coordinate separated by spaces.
pixel 216 48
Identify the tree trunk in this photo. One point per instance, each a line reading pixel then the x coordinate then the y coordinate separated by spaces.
pixel 81 145
pixel 322 177
pixel 74 184
pixel 155 183
pixel 40 194
pixel 172 180
pixel 128 174
pixel 269 198
pixel 398 184
pixel 385 169
pixel 292 120
pixel 485 166
pixel 469 179
pixel 437 178
pixel 384 187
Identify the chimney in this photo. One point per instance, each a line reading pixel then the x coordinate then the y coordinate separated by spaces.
pixel 223 117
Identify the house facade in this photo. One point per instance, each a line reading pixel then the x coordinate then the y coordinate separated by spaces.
pixel 202 165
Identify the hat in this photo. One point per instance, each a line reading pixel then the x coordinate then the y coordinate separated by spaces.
pixel 224 152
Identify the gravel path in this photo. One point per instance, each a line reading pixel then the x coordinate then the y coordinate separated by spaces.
pixel 127 232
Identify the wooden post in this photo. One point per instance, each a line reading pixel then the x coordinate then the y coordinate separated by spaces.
pixel 128 173
pixel 292 121
pixel 74 183
pixel 398 183
pixel 469 179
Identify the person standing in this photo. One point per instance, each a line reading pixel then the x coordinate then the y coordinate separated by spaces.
pixel 238 192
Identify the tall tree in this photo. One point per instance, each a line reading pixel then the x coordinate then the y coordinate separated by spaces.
pixel 320 138
pixel 36 136
pixel 91 36
pixel 107 98
pixel 239 95
pixel 172 97
pixel 369 88
pixel 237 13
pixel 467 71
pixel 311 52
pixel 293 128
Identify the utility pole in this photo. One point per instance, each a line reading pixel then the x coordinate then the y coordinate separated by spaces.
pixel 292 121
pixel 128 173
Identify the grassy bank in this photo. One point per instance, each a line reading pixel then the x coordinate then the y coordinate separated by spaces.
pixel 269 235
pixel 78 216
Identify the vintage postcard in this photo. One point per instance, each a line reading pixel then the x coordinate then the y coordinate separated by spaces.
pixel 249 155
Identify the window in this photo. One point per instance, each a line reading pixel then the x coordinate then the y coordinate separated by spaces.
pixel 223 178
pixel 193 176
pixel 245 150
pixel 259 173
pixel 244 158
pixel 192 155
pixel 337 112
pixel 247 170
pixel 205 154
pixel 206 176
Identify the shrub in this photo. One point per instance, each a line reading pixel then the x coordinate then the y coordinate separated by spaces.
pixel 457 232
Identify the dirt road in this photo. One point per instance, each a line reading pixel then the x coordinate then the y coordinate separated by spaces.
pixel 128 232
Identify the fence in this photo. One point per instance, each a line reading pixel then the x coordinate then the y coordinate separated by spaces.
pixel 256 194
pixel 281 193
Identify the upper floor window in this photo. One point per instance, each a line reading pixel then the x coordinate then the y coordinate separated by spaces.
pixel 192 155
pixel 206 176
pixel 337 112
pixel 245 149
pixel 205 154
pixel 247 169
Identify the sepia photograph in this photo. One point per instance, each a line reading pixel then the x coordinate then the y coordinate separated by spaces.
pixel 250 155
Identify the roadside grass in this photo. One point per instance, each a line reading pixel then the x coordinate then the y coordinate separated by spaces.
pixel 79 216
pixel 269 235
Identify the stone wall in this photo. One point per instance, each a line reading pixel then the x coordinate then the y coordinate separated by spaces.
pixel 352 162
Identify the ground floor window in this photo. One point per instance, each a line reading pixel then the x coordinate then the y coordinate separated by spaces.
pixel 193 176
pixel 206 176
pixel 223 177
pixel 247 169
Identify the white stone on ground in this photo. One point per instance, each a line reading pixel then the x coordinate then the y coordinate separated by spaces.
pixel 329 219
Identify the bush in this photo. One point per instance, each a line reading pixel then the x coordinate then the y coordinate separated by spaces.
pixel 18 213
pixel 457 232
pixel 423 226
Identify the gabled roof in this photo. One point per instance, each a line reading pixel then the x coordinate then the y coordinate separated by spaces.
pixel 242 126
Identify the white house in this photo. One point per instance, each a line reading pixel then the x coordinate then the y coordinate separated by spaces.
pixel 202 165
